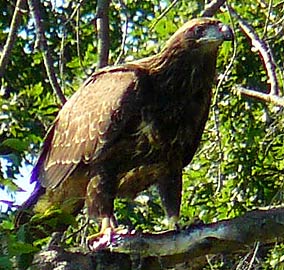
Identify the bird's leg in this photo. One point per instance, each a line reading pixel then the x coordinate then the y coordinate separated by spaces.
pixel 101 192
pixel 170 187
pixel 100 195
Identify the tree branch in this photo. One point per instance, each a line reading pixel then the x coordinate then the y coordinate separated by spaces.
pixel 212 8
pixel 124 35
pixel 227 235
pixel 35 10
pixel 279 101
pixel 163 14
pixel 102 22
pixel 188 247
pixel 15 22
pixel 260 45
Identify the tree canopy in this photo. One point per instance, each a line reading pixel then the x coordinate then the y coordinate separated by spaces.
pixel 48 48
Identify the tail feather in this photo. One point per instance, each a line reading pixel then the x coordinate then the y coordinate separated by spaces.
pixel 25 212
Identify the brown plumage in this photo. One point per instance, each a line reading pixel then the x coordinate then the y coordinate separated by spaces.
pixel 131 126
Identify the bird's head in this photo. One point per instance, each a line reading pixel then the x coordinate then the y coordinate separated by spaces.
pixel 194 44
pixel 202 31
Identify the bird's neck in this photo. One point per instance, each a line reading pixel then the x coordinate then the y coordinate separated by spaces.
pixel 180 70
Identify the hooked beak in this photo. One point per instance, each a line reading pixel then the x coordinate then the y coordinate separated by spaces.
pixel 227 32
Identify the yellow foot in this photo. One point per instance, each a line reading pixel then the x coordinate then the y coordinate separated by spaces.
pixel 106 238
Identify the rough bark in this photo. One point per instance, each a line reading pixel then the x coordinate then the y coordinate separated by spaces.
pixel 103 32
pixel 34 6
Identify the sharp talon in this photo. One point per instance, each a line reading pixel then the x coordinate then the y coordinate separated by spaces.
pixel 106 238
pixel 100 240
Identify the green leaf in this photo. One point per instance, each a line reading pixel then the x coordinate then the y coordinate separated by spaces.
pixel 22 248
pixel 7 225
pixel 5 263
pixel 15 144
pixel 9 184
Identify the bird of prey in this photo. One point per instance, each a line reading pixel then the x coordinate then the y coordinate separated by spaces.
pixel 129 127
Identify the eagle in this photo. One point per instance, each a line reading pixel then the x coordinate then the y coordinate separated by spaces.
pixel 129 127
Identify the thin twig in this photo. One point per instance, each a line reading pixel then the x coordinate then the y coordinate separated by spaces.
pixel 103 32
pixel 78 39
pixel 35 10
pixel 212 8
pixel 76 12
pixel 267 18
pixel 278 27
pixel 263 48
pixel 65 238
pixel 278 4
pixel 122 48
pixel 279 101
pixel 61 58
pixel 253 255
pixel 216 111
pixel 16 19
pixel 163 14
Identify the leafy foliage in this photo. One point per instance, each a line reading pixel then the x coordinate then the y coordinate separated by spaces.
pixel 239 165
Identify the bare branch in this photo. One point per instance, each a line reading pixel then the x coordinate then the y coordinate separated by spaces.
pixel 103 32
pixel 259 225
pixel 212 8
pixel 186 248
pixel 16 19
pixel 267 18
pixel 279 101
pixel 34 8
pixel 264 50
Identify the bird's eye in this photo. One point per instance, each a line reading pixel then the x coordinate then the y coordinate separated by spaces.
pixel 195 33
pixel 198 31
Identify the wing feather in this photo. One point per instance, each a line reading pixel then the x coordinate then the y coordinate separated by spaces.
pixel 91 118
